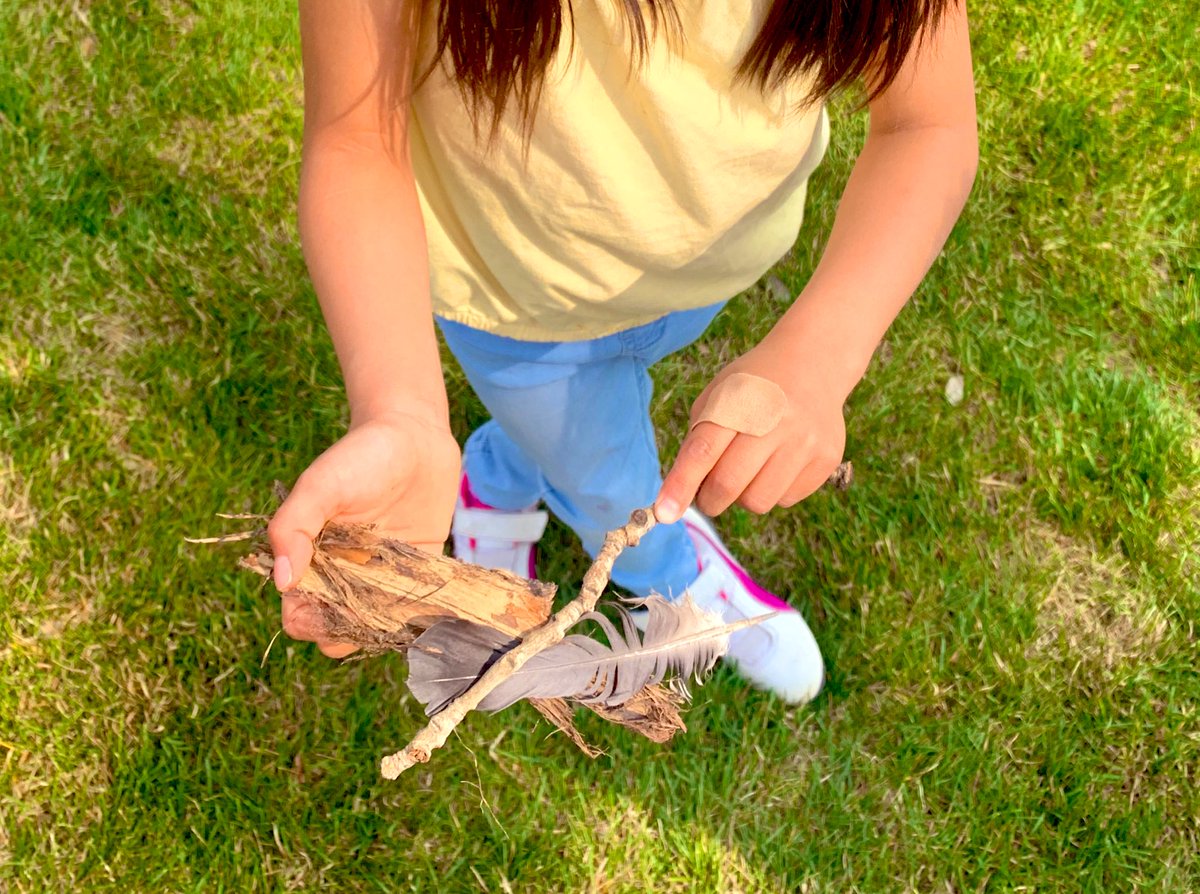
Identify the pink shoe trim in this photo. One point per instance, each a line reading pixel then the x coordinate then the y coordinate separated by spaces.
pixel 470 501
pixel 766 597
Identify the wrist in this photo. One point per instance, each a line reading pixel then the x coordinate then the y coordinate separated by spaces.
pixel 428 411
pixel 822 360
pixel 829 340
pixel 407 381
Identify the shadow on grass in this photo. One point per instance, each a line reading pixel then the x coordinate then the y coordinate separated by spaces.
pixel 275 779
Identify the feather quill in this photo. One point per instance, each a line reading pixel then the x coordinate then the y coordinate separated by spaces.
pixel 680 637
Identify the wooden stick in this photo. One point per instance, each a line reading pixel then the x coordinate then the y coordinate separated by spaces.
pixel 388 586
pixel 438 729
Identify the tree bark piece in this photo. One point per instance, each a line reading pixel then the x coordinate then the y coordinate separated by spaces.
pixel 653 712
pixel 561 713
pixel 438 729
pixel 376 592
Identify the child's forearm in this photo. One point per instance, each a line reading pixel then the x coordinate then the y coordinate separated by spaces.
pixel 364 242
pixel 907 189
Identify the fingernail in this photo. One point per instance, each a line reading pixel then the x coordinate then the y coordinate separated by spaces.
pixel 667 511
pixel 283 572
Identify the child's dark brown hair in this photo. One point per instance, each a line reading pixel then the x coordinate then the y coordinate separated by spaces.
pixel 499 50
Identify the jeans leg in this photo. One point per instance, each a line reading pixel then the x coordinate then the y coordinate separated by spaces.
pixel 501 474
pixel 578 414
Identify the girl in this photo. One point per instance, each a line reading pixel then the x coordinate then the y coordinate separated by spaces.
pixel 573 187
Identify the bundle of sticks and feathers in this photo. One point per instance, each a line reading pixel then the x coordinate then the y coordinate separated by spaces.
pixel 482 639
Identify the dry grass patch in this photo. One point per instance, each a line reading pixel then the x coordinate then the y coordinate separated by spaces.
pixel 1093 611
pixel 16 360
pixel 628 833
pixel 116 335
pixel 17 515
pixel 193 144
pixel 85 348
pixel 90 353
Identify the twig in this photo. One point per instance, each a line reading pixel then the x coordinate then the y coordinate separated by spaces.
pixel 226 538
pixel 438 729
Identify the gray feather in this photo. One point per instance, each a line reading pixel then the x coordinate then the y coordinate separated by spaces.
pixel 680 637
pixel 455 649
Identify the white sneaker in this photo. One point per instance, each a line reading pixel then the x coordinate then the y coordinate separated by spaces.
pixel 780 654
pixel 495 538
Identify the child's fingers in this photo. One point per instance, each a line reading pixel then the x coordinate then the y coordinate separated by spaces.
pixel 700 451
pixel 734 472
pixel 293 529
pixel 336 650
pixel 769 486
pixel 302 621
pixel 292 532
pixel 809 481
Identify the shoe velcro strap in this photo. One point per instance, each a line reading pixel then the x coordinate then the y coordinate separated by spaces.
pixel 492 524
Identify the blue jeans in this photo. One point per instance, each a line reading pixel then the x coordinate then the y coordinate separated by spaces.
pixel 571 426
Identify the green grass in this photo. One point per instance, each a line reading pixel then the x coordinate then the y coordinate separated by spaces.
pixel 1007 598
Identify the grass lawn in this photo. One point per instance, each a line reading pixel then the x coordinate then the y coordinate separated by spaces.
pixel 1007 598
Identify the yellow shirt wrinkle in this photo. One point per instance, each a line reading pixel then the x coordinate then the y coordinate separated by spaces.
pixel 643 189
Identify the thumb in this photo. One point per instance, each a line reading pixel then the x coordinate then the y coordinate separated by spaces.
pixel 699 452
pixel 293 529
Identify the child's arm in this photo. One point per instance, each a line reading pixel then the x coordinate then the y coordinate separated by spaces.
pixel 908 187
pixel 364 242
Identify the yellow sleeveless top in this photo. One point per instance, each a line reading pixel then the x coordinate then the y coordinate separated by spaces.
pixel 644 189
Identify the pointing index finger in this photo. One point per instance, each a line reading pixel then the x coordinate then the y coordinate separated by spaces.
pixel 699 452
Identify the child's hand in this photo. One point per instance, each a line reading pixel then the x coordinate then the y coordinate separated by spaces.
pixel 718 466
pixel 399 472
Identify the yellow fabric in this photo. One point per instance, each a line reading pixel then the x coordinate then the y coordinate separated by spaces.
pixel 644 190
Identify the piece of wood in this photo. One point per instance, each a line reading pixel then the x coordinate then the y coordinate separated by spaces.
pixel 370 587
pixel 561 713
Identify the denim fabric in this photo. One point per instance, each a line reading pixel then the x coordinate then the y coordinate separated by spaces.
pixel 571 426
